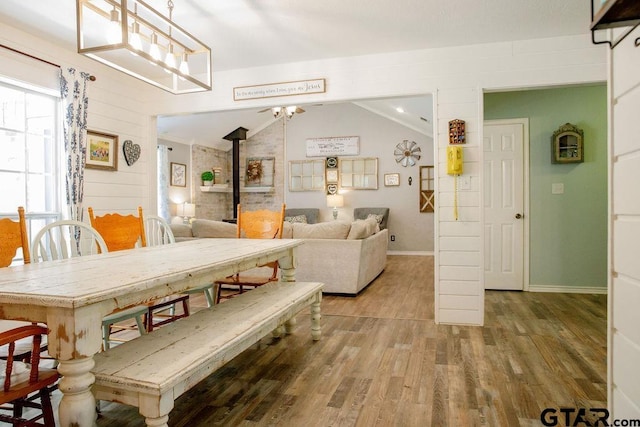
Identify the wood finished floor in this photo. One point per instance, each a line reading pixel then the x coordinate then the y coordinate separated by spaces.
pixel 383 362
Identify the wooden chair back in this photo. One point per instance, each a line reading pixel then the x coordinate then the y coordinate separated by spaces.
pixel 20 380
pixel 157 231
pixel 14 236
pixel 120 231
pixel 66 239
pixel 260 224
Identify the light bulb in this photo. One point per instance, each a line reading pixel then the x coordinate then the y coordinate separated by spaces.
pixel 154 50
pixel 114 32
pixel 170 59
pixel 135 40
pixel 291 110
pixel 276 111
pixel 184 65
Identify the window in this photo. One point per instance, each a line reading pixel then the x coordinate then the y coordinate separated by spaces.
pixel 29 155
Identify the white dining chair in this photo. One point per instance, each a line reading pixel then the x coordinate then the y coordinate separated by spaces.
pixel 159 232
pixel 69 239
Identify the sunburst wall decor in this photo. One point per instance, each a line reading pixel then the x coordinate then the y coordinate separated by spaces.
pixel 407 153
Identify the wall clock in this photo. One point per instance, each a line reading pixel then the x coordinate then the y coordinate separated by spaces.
pixel 407 153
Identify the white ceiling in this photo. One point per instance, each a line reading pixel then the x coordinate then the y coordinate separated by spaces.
pixel 249 33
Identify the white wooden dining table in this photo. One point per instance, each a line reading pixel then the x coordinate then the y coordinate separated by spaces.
pixel 72 296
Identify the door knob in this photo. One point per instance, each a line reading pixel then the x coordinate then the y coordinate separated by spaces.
pixel 518 216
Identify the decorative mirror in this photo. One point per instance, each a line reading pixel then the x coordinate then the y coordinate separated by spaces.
pixel 407 153
pixel 567 144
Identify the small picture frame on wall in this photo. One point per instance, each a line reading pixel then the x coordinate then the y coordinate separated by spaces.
pixel 102 151
pixel 391 179
pixel 178 174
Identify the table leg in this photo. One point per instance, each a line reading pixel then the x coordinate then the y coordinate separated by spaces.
pixel 78 406
pixel 287 267
pixel 315 318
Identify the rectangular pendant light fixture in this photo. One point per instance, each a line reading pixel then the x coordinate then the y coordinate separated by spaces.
pixel 132 37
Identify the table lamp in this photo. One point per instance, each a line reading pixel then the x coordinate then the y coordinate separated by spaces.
pixel 335 201
pixel 186 211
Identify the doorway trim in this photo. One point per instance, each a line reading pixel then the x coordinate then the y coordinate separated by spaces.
pixel 524 121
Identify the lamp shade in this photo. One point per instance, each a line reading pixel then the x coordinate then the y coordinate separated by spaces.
pixel 186 209
pixel 335 200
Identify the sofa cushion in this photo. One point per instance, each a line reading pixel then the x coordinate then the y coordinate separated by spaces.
pixel 363 213
pixel 321 230
pixel 312 214
pixel 181 230
pixel 287 230
pixel 210 228
pixel 363 228
pixel 297 218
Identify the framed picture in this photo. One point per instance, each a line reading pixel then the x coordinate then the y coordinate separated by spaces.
pixel 102 151
pixel 391 179
pixel 178 174
pixel 260 171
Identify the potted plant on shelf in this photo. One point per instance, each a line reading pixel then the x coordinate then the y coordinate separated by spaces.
pixel 207 178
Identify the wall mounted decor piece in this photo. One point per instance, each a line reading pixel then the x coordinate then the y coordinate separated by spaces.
pixel 178 174
pixel 567 144
pixel 102 151
pixel 427 187
pixel 333 146
pixel 306 175
pixel 407 153
pixel 457 132
pixel 131 151
pixel 260 171
pixel 391 179
pixel 359 173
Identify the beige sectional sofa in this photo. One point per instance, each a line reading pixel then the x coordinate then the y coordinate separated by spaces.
pixel 345 256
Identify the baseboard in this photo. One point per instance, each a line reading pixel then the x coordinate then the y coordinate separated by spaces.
pixel 418 253
pixel 568 289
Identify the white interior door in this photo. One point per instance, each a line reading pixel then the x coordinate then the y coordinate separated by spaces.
pixel 504 206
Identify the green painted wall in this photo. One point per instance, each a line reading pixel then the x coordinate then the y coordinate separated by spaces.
pixel 568 232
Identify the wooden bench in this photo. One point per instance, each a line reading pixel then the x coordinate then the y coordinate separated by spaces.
pixel 151 371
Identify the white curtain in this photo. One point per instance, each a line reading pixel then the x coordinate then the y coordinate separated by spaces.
pixel 73 90
pixel 163 182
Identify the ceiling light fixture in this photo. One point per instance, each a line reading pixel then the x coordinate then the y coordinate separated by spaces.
pixel 154 40
pixel 287 112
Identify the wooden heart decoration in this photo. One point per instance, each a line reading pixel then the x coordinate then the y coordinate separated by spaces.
pixel 131 152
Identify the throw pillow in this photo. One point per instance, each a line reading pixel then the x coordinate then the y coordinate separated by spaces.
pixel 297 218
pixel 363 228
pixel 377 217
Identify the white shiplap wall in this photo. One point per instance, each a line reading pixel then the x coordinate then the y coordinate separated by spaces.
pixel 624 287
pixel 117 105
pixel 459 284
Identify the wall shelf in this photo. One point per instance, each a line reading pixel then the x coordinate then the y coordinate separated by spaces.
pixel 214 189
pixel 615 14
